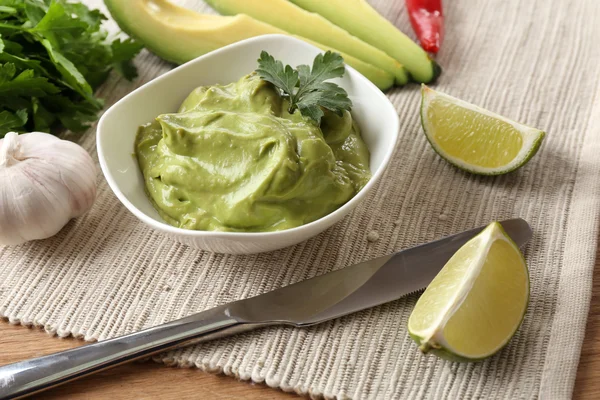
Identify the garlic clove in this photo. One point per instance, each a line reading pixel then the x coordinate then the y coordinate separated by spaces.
pixel 10 153
pixel 38 210
pixel 44 182
pixel 72 157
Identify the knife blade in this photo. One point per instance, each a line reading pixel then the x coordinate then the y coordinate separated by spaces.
pixel 309 302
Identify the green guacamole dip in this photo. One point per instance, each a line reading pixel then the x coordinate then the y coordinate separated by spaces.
pixel 233 159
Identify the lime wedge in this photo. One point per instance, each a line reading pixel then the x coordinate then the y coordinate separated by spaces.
pixel 474 139
pixel 476 303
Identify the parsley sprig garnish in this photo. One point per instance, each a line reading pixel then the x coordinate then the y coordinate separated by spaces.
pixel 305 87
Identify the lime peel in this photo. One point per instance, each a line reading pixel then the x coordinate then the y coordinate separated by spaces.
pixel 432 338
pixel 531 137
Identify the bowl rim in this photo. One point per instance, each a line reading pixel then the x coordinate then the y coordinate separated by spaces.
pixel 345 208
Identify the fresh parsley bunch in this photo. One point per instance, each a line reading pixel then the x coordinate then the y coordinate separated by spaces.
pixel 53 55
pixel 305 88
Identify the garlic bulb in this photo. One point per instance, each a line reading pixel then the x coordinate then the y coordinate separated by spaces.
pixel 44 182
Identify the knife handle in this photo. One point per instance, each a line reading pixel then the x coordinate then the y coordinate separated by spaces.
pixel 27 377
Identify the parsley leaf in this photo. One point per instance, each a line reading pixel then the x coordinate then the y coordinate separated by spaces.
pixel 306 88
pixel 12 121
pixel 24 84
pixel 123 52
pixel 284 78
pixel 53 55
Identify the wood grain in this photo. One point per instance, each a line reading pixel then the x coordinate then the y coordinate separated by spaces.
pixel 141 380
pixel 149 380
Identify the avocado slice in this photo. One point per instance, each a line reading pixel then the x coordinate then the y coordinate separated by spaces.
pixel 297 21
pixel 178 35
pixel 362 21
pixel 380 78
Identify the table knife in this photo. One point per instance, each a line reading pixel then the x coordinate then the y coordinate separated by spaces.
pixel 331 295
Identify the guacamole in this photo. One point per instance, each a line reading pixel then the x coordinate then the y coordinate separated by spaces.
pixel 233 159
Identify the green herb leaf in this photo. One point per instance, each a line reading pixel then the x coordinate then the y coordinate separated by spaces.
pixel 333 98
pixel 69 72
pixel 25 84
pixel 305 87
pixel 284 78
pixel 91 18
pixel 7 10
pixel 10 121
pixel 57 22
pixel 325 66
pixel 53 55
pixel 42 118
pixel 35 11
pixel 123 52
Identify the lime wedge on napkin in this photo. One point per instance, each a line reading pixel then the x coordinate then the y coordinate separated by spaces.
pixel 474 139
pixel 474 306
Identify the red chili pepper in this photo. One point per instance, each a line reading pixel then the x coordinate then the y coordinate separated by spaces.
pixel 427 19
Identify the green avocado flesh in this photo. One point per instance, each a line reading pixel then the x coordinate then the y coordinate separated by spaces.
pixel 360 19
pixel 233 159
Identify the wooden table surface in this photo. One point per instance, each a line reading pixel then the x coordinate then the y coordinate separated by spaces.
pixel 149 380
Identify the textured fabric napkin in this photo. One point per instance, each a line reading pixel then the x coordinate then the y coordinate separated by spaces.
pixel 107 274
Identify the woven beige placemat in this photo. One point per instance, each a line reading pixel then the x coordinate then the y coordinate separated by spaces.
pixel 107 274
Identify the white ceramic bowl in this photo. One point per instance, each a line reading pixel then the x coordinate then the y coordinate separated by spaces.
pixel 117 128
